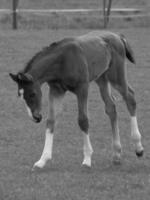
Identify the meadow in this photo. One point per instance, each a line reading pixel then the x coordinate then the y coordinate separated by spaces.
pixel 21 141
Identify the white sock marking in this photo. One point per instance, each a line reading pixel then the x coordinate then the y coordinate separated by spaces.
pixel 87 150
pixel 21 92
pixel 29 111
pixel 134 129
pixel 47 151
pixel 135 134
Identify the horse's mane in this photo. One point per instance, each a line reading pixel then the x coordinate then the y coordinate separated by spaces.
pixel 45 50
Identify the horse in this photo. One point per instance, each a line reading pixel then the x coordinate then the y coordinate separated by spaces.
pixel 71 64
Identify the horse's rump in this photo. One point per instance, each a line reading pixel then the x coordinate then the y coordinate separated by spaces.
pixel 96 53
pixel 102 48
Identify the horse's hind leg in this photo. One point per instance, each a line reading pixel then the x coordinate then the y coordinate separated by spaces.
pixel 55 109
pixel 128 96
pixel 110 110
pixel 82 95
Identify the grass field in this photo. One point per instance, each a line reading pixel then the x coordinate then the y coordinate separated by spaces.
pixel 21 141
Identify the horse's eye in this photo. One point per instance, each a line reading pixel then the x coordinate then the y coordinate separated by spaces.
pixel 32 95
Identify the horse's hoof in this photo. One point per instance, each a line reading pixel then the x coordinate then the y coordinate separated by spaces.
pixel 117 160
pixel 38 165
pixel 86 166
pixel 87 162
pixel 140 153
pixel 36 169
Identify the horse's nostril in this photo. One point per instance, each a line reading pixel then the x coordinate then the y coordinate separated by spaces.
pixel 38 118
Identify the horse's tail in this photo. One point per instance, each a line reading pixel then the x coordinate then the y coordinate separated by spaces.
pixel 128 49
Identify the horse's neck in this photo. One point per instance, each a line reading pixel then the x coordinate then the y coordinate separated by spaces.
pixel 46 69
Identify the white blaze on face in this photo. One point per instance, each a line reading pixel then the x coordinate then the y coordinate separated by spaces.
pixel 29 111
pixel 21 92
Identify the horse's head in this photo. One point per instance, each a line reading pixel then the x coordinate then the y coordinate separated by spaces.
pixel 30 92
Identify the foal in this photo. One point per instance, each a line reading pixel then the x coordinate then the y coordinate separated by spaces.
pixel 71 64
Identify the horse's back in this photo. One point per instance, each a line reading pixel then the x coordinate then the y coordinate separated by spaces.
pixel 101 40
pixel 94 48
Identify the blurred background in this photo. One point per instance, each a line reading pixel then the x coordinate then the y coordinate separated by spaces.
pixel 84 14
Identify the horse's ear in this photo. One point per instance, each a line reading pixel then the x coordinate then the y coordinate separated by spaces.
pixel 26 78
pixel 21 78
pixel 14 77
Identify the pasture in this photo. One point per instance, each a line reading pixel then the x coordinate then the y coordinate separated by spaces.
pixel 21 141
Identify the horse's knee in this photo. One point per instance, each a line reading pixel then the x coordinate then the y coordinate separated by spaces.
pixel 131 90
pixel 132 107
pixel 83 123
pixel 50 123
pixel 131 103
pixel 111 111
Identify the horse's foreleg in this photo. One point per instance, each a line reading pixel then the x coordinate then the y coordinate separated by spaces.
pixel 55 109
pixel 87 150
pixel 47 151
pixel 82 95
pixel 110 110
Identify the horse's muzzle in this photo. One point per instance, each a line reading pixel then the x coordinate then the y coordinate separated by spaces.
pixel 37 118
